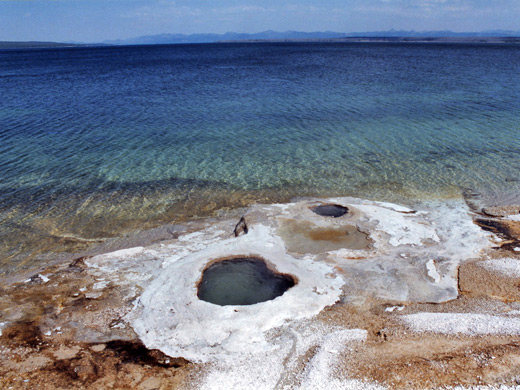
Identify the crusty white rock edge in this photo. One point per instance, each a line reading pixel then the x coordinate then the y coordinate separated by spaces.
pixel 170 317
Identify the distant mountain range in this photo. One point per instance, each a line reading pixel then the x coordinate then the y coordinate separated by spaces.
pixel 276 36
pixel 229 36
pixel 298 35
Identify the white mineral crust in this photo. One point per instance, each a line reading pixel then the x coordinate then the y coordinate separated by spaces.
pixel 170 317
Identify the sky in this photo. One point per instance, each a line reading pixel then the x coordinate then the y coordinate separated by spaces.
pixel 99 20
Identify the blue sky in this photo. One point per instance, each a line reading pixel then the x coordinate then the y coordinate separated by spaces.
pixel 98 20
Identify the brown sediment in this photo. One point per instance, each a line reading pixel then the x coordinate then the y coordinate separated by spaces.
pixel 37 353
pixel 24 333
pixel 60 364
pixel 399 358
pixel 501 211
pixel 509 231
pixel 305 237
pixel 332 235
pixel 434 362
pixel 476 280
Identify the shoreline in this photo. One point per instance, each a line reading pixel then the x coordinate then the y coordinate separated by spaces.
pixel 162 230
pixel 157 227
pixel 85 323
pixel 66 242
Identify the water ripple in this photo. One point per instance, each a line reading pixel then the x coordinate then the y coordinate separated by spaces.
pixel 96 141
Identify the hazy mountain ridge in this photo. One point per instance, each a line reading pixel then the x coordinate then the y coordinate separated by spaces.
pixel 269 35
pixel 298 35
pixel 229 36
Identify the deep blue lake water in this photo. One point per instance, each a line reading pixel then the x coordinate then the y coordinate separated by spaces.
pixel 97 142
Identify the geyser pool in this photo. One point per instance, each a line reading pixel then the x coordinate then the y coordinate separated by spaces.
pixel 242 281
pixel 330 210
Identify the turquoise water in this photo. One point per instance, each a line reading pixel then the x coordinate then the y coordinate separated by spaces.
pixel 97 142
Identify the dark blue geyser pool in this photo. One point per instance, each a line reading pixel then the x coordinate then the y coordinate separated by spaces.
pixel 242 281
pixel 330 210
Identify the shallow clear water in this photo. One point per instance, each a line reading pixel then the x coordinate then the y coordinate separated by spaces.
pixel 96 142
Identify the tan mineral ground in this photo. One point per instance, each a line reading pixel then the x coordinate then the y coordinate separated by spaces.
pixel 403 299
